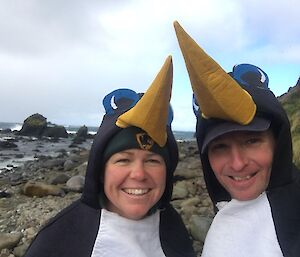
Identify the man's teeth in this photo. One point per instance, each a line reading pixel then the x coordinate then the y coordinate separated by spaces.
pixel 136 191
pixel 241 178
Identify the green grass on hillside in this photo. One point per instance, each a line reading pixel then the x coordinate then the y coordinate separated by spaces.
pixel 292 107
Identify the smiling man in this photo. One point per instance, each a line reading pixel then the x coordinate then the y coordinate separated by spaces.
pixel 242 162
pixel 244 138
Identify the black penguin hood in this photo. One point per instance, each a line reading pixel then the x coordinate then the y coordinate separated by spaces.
pixel 93 187
pixel 238 97
pixel 268 107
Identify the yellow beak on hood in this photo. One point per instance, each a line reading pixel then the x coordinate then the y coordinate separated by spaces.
pixel 151 111
pixel 217 93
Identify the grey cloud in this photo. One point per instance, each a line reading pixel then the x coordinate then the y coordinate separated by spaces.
pixel 34 27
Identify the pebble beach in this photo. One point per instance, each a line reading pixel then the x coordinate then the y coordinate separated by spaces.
pixel 39 177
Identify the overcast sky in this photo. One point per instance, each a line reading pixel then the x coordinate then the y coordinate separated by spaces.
pixel 59 58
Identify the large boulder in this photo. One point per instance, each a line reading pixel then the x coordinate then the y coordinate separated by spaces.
pixel 34 125
pixel 81 135
pixel 82 131
pixel 55 131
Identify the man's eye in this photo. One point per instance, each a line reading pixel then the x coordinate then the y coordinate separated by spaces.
pixel 217 147
pixel 253 140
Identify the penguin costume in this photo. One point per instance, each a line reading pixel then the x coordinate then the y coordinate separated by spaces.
pixel 86 228
pixel 268 225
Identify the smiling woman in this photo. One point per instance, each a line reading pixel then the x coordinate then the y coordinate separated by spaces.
pixel 134 181
pixel 125 207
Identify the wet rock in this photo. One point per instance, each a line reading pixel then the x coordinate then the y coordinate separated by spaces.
pixel 60 179
pixel 51 163
pixel 82 132
pixel 4 194
pixel 81 169
pixel 6 253
pixel 180 190
pixel 81 135
pixel 55 131
pixel 19 155
pixel 34 125
pixel 7 145
pixel 76 157
pixel 9 240
pixel 194 201
pixel 189 168
pixel 199 227
pixel 20 250
pixel 5 131
pixel 76 183
pixel 69 164
pixel 15 178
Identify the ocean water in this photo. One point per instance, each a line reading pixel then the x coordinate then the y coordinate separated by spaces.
pixel 29 149
pixel 72 129
pixel 10 125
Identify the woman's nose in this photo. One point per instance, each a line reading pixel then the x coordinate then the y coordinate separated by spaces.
pixel 138 171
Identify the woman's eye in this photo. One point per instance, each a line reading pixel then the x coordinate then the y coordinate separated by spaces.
pixel 122 160
pixel 155 160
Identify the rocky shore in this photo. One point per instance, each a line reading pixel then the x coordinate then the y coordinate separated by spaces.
pixel 37 189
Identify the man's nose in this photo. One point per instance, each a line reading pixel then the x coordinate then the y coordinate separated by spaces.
pixel 238 158
pixel 138 171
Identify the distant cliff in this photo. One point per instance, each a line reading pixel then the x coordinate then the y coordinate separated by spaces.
pixel 291 103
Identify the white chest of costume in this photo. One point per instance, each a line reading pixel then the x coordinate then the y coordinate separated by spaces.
pixel 243 229
pixel 118 236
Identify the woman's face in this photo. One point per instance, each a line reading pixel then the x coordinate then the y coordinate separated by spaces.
pixel 134 181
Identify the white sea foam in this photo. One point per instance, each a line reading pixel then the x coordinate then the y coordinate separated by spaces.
pixel 16 127
pixel 10 125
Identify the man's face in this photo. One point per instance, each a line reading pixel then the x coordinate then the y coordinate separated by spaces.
pixel 242 162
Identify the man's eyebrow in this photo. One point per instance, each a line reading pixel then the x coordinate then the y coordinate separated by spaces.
pixel 251 133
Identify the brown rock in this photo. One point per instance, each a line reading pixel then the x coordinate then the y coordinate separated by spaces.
pixel 34 188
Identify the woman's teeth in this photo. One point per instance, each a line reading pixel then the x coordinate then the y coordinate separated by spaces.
pixel 136 191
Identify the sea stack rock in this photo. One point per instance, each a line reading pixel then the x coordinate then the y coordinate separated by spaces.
pixel 34 125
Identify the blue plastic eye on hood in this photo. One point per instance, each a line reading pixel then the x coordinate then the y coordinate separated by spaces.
pixel 124 99
pixel 120 99
pixel 196 107
pixel 170 115
pixel 250 75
